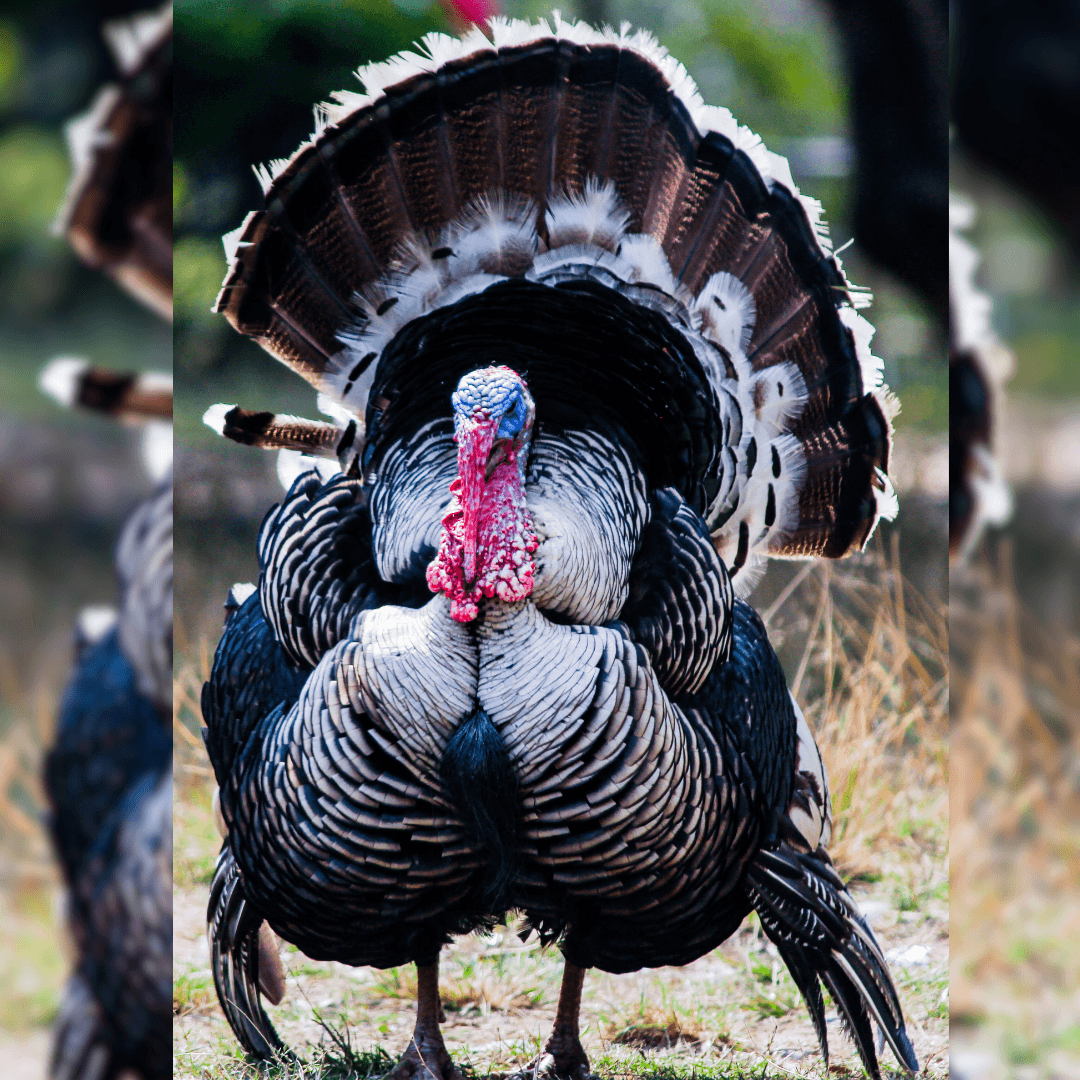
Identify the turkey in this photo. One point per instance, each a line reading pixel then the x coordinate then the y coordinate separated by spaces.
pixel 587 360
pixel 979 367
pixel 108 776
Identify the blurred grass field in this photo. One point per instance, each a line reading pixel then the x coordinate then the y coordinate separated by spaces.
pixel 867 656
pixel 1015 968
pixel 1015 677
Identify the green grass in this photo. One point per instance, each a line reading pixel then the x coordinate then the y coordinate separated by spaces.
pixel 197 840
pixel 192 991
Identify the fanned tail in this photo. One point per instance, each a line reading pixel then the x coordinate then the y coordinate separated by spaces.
pixel 570 157
pixel 809 915
pixel 117 214
pixel 234 933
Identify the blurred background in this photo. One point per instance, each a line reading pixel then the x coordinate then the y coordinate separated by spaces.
pixel 67 480
pixel 247 77
pixel 1015 610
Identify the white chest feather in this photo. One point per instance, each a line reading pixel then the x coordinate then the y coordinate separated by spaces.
pixel 537 680
pixel 416 670
pixel 588 505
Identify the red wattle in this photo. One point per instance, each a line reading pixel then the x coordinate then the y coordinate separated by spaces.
pixel 487 540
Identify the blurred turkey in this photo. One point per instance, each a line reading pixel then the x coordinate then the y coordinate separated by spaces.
pixel 109 782
pixel 587 360
pixel 117 214
pixel 108 776
pixel 979 366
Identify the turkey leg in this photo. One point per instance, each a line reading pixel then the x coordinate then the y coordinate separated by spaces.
pixel 427 1057
pixel 564 1057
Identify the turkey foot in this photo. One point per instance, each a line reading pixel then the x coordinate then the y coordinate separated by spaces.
pixel 563 1058
pixel 426 1057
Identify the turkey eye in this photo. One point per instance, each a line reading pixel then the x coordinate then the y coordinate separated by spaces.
pixel 513 420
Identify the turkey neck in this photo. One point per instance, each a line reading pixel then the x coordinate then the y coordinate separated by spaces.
pixel 585 494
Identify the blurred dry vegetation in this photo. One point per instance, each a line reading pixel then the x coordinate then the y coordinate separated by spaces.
pixel 1015 676
pixel 1016 826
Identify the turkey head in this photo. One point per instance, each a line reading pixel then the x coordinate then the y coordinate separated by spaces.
pixel 487 537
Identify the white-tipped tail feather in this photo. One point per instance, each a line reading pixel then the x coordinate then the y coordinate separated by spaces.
pixel 61 378
pixel 214 417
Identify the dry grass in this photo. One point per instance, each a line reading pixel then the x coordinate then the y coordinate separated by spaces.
pixel 872 678
pixel 1016 825
pixel 657 1026
pixel 868 658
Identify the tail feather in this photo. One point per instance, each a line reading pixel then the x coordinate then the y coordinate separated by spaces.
pixel 276 431
pixel 233 930
pixel 806 979
pixel 128 396
pixel 563 153
pixel 117 213
pixel 979 367
pixel 811 918
pixel 80 1044
pixel 846 994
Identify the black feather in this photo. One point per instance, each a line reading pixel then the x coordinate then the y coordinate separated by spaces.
pixel 482 784
pixel 809 915
pixel 233 930
pixel 107 738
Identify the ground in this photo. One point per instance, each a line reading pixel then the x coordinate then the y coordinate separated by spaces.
pixel 735 1006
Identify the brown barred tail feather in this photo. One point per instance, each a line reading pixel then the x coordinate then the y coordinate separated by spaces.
pixel 128 396
pixel 274 431
pixel 118 211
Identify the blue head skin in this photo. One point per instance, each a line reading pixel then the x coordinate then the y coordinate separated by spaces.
pixel 496 393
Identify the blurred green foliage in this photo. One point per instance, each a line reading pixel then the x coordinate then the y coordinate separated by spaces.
pixel 248 75
pixel 34 165
pixel 11 62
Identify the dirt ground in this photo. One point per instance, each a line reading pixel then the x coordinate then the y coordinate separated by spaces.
pixel 735 1004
